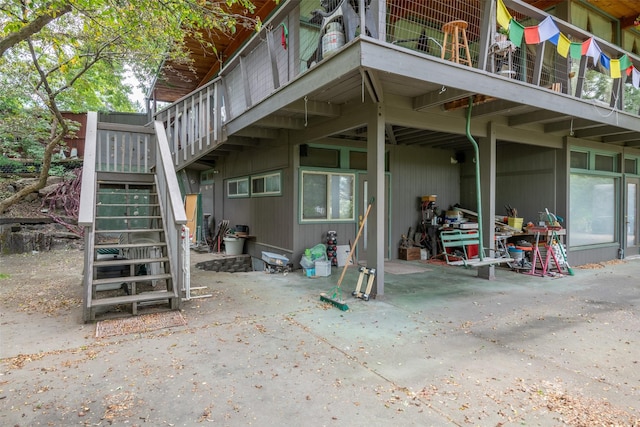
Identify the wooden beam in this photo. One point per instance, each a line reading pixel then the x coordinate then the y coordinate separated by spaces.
pixel 439 97
pixel 621 137
pixel 499 106
pixel 281 122
pixel 568 125
pixel 535 117
pixel 313 108
pixel 600 131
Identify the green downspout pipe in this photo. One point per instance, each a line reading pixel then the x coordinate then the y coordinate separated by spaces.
pixel 477 163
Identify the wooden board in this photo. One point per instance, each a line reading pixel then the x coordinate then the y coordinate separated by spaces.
pixel 191 209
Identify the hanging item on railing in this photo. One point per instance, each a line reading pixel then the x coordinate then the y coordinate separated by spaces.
pixel 284 36
pixel 547 30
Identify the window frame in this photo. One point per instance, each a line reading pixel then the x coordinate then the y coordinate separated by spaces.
pixel 265 177
pixel 237 195
pixel 329 196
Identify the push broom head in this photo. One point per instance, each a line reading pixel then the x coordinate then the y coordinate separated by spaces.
pixel 334 300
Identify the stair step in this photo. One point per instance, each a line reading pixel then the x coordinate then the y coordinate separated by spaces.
pixel 121 178
pixel 131 230
pixel 123 193
pixel 127 261
pixel 133 205
pixel 128 245
pixel 129 217
pixel 145 296
pixel 129 279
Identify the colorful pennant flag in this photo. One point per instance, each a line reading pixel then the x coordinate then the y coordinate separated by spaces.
pixel 575 50
pixel 503 15
pixel 547 29
pixel 564 45
pixel 605 61
pixel 516 32
pixel 615 69
pixel 531 35
pixel 591 49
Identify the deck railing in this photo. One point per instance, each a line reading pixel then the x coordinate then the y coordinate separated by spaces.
pixel 264 64
pixel 194 122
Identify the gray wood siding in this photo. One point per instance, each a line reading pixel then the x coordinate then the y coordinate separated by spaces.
pixel 269 218
pixel 525 179
pixel 416 172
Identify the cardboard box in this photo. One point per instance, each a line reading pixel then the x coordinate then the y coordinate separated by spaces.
pixel 410 254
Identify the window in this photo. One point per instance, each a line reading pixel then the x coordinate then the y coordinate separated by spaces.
pixel 327 196
pixel 631 166
pixel 266 185
pixel 579 160
pixel 238 187
pixel 593 209
pixel 605 163
pixel 319 157
pixel 208 176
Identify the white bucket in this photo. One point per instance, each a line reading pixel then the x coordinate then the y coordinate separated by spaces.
pixel 233 245
pixel 333 39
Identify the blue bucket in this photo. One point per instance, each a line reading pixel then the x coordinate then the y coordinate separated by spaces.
pixel 516 254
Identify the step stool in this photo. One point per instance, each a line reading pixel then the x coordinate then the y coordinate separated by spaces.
pixel 455 39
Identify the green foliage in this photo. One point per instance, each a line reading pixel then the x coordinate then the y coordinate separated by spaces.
pixel 79 59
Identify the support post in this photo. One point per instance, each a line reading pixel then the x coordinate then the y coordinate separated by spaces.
pixel 487 163
pixel 375 172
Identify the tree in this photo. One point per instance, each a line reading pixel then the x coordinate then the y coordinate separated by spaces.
pixel 71 55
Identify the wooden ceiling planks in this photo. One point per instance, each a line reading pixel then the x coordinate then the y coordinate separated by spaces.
pixel 180 78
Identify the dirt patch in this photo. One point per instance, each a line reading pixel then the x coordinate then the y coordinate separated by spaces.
pixel 601 264
pixel 139 324
pixel 49 283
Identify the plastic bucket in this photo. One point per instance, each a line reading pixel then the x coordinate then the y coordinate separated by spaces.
pixel 333 39
pixel 516 254
pixel 233 245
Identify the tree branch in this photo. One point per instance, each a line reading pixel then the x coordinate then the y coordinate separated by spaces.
pixel 31 28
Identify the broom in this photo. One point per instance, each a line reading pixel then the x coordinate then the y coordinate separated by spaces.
pixel 336 292
pixel 554 235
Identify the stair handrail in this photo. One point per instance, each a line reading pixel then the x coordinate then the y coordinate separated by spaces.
pixel 86 212
pixel 172 208
pixel 163 160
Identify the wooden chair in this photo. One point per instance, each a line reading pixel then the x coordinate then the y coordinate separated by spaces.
pixel 455 40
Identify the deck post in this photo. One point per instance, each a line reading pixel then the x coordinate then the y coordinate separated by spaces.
pixel 376 179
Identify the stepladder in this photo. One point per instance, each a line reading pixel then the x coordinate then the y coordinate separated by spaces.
pixel 370 273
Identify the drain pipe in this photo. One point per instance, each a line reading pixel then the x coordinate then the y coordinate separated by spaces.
pixel 478 193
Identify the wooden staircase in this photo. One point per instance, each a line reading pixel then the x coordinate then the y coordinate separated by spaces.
pixel 133 220
pixel 130 261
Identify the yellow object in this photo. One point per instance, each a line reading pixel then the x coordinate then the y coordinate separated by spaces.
pixel 515 222
pixel 191 209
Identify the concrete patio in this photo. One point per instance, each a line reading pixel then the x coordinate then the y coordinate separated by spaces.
pixel 441 347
